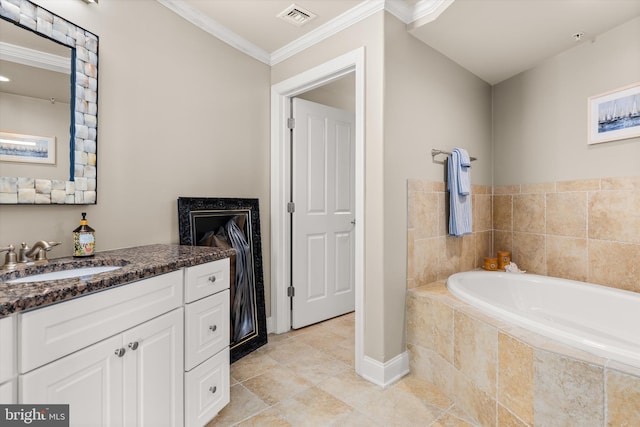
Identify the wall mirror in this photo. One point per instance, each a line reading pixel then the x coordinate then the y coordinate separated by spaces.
pixel 48 109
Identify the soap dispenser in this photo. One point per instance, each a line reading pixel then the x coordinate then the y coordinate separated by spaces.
pixel 84 239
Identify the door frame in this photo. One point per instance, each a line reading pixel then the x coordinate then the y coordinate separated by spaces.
pixel 350 62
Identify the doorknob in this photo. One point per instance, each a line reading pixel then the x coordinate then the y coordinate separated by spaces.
pixel 353 222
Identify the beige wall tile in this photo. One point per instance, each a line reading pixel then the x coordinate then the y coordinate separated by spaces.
pixel 425 217
pixel 474 401
pixel 443 321
pixel 615 215
pixel 475 351
pixel 503 212
pixel 502 241
pixel 545 187
pixel 506 189
pixel 425 259
pixel 579 185
pixel 482 213
pixel 443 214
pixel 567 214
pixel 626 183
pixel 419 321
pixel 567 257
pixel 529 252
pixel 515 377
pixel 567 392
pixel 614 264
pixel 450 251
pixel 623 399
pixel 484 247
pixel 529 213
pixel 467 252
pixel 410 255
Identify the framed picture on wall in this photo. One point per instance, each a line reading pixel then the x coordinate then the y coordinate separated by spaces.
pixel 615 115
pixel 17 147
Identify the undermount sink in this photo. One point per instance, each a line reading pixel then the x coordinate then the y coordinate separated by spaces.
pixel 66 274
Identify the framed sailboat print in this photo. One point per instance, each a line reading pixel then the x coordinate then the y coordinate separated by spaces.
pixel 615 115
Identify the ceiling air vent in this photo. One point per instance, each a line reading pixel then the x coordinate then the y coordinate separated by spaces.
pixel 296 15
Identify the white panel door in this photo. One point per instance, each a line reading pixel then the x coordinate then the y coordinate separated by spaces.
pixel 323 182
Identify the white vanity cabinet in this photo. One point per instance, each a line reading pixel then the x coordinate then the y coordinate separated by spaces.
pixel 207 328
pixel 131 378
pixel 148 353
pixel 8 365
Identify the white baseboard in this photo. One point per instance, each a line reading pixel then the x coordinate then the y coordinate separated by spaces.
pixel 270 327
pixel 384 374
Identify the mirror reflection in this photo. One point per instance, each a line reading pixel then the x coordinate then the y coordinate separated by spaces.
pixel 49 112
pixel 36 98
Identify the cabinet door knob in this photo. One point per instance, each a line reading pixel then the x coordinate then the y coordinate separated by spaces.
pixel 213 389
pixel 212 279
pixel 213 328
pixel 120 352
pixel 133 345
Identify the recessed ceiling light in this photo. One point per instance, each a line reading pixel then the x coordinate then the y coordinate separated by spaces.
pixel 4 79
pixel 296 15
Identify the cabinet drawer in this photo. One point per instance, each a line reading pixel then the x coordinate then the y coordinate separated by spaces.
pixel 206 279
pixel 52 332
pixel 207 389
pixel 207 328
pixel 8 367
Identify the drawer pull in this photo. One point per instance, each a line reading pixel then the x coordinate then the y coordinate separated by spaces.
pixel 133 345
pixel 212 279
pixel 213 389
pixel 213 328
pixel 120 352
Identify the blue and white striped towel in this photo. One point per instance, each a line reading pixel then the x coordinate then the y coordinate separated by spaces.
pixel 459 186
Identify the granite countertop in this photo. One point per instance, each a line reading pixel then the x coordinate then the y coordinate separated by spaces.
pixel 137 263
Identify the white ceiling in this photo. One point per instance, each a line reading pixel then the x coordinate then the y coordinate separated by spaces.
pixel 494 39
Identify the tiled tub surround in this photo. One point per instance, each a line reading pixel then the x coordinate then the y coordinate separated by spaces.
pixel 432 254
pixel 586 230
pixel 502 375
pixel 137 263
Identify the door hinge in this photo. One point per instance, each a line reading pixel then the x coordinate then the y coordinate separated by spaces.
pixel 291 123
pixel 291 291
pixel 291 207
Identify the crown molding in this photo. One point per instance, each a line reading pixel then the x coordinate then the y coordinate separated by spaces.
pixel 337 24
pixel 34 58
pixel 428 10
pixel 216 29
pixel 424 10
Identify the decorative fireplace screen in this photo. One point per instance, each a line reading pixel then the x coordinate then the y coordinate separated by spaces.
pixel 232 223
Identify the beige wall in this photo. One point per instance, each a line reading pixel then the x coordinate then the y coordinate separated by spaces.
pixel 339 94
pixel 429 102
pixel 174 108
pixel 368 33
pixel 540 116
pixel 406 83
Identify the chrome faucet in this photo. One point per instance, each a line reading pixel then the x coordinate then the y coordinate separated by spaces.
pixel 37 253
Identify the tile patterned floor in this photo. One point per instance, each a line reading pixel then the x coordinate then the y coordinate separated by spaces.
pixel 306 378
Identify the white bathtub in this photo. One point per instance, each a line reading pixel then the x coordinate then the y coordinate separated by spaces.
pixel 604 321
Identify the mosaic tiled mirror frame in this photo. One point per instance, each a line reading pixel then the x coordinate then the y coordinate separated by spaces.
pixel 81 188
